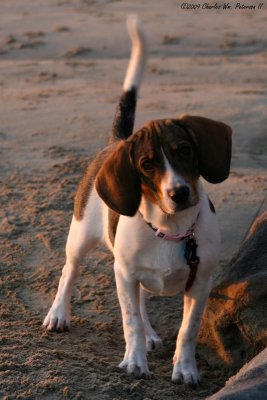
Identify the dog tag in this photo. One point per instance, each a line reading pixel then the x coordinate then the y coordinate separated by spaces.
pixel 190 251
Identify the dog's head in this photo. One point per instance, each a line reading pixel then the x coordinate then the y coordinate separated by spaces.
pixel 163 162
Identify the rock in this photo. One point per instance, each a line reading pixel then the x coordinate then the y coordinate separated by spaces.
pixel 234 325
pixel 250 383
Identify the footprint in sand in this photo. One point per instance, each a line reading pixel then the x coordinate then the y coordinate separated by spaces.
pixel 77 51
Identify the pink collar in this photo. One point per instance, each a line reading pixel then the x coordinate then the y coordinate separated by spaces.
pixel 173 237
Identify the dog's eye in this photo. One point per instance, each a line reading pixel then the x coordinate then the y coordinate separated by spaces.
pixel 185 152
pixel 146 164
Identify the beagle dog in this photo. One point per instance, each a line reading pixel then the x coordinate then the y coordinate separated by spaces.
pixel 142 195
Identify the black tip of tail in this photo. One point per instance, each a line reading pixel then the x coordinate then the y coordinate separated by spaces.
pixel 123 122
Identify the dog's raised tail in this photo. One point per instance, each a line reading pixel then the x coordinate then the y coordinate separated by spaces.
pixel 125 112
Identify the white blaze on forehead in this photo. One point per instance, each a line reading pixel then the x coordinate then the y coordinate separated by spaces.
pixel 171 179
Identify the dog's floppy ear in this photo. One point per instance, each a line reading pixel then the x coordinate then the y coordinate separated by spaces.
pixel 118 183
pixel 213 140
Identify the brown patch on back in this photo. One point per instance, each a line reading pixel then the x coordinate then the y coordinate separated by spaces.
pixel 113 220
pixel 86 183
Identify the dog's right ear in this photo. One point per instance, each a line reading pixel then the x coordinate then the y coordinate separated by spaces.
pixel 214 146
pixel 118 183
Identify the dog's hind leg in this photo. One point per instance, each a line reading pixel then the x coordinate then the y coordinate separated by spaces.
pixel 152 339
pixel 83 235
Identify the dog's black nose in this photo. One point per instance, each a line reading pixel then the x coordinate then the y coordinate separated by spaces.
pixel 179 195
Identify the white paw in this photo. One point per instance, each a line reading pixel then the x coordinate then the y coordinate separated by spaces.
pixel 186 372
pixel 136 365
pixel 153 341
pixel 58 318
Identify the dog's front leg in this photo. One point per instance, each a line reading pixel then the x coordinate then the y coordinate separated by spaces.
pixel 185 369
pixel 135 359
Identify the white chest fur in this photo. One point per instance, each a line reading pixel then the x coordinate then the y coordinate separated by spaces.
pixel 159 265
pixel 162 269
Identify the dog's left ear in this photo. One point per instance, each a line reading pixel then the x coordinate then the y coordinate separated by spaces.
pixel 213 140
pixel 118 183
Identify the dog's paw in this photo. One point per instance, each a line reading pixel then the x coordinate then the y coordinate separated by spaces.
pixel 153 341
pixel 57 319
pixel 135 366
pixel 186 372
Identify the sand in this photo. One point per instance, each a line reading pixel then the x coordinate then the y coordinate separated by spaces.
pixel 62 65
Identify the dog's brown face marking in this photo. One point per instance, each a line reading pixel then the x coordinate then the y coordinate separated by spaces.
pixel 149 162
pixel 156 142
pixel 162 162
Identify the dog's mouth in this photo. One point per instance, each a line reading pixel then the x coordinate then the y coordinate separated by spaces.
pixel 171 203
pixel 170 207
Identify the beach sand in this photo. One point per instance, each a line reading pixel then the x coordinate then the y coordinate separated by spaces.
pixel 62 65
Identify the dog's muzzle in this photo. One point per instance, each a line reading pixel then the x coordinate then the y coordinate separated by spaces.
pixel 179 195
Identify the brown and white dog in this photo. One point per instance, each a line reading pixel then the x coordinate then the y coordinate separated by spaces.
pixel 143 197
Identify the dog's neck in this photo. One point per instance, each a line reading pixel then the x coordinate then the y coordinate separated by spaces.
pixel 181 221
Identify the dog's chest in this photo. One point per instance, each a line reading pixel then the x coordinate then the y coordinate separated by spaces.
pixel 162 268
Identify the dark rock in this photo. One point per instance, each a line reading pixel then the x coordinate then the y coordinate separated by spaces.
pixel 234 325
pixel 250 383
